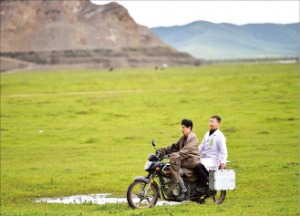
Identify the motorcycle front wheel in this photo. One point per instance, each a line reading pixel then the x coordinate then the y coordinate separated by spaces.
pixel 142 195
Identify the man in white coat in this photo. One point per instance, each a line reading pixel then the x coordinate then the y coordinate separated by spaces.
pixel 212 149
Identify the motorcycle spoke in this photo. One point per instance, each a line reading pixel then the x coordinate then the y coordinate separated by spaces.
pixel 142 187
pixel 141 200
pixel 147 198
pixel 142 197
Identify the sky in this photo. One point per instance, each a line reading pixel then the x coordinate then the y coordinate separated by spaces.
pixel 170 13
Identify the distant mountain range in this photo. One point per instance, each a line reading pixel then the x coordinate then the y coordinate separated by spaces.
pixel 208 40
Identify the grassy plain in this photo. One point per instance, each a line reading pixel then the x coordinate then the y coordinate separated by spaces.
pixel 84 132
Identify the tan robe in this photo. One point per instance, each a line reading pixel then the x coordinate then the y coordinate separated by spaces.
pixel 185 156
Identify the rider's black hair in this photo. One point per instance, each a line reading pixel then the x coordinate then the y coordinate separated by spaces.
pixel 187 123
pixel 217 117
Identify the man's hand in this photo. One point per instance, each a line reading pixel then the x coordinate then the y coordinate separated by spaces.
pixel 159 152
pixel 173 146
pixel 222 166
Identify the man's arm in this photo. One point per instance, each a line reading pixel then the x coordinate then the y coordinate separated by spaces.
pixel 168 150
pixel 201 147
pixel 222 151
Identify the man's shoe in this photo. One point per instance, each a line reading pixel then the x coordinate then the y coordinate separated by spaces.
pixel 181 197
pixel 183 190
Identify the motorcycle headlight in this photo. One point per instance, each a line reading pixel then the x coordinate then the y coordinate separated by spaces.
pixel 147 165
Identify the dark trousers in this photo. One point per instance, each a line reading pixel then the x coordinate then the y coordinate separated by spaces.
pixel 203 174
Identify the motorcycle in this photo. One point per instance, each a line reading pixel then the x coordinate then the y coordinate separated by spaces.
pixel 144 191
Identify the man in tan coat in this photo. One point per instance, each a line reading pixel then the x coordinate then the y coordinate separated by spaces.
pixel 183 154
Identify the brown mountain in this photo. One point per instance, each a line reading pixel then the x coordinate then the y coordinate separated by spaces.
pixel 80 34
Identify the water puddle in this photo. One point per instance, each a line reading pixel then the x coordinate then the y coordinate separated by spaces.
pixel 99 199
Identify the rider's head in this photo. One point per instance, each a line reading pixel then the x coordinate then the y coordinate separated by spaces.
pixel 186 126
pixel 214 122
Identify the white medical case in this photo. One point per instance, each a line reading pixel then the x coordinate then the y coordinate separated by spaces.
pixel 222 179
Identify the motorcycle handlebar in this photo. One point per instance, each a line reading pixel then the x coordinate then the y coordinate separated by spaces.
pixel 161 158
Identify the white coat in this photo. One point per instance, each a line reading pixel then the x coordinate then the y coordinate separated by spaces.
pixel 213 150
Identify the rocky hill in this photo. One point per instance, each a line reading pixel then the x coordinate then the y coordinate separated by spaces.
pixel 80 34
pixel 208 40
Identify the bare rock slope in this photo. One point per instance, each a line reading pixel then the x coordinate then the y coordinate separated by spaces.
pixel 80 33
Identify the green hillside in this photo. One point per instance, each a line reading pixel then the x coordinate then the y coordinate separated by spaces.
pixel 227 41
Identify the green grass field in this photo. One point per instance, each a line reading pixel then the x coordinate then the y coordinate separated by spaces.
pixel 86 132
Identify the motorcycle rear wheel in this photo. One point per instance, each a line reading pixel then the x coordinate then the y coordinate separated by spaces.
pixel 137 197
pixel 216 197
pixel 221 195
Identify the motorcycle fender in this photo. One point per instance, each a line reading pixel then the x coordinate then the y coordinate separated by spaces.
pixel 147 180
pixel 142 178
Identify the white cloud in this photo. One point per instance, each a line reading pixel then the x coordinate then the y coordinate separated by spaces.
pixel 168 13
